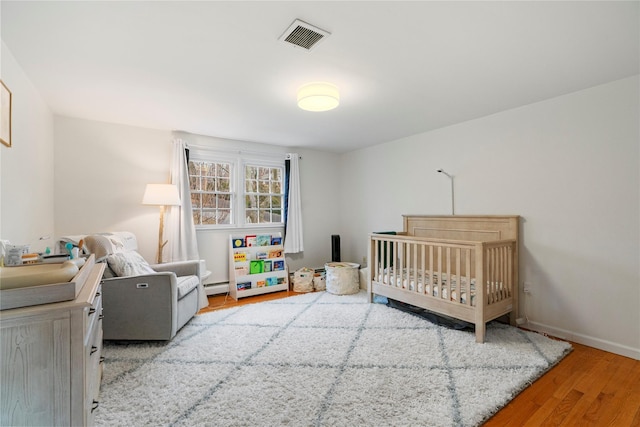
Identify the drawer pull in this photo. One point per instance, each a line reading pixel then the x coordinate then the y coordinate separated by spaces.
pixel 94 405
pixel 101 359
pixel 142 285
pixel 101 317
pixel 98 294
pixel 93 350
pixel 91 311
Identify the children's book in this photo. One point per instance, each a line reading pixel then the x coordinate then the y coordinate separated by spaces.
pixel 272 281
pixel 277 253
pixel 276 240
pixel 256 266
pixel 250 240
pixel 278 265
pixel 263 240
pixel 243 286
pixel 239 256
pixel 238 242
pixel 267 266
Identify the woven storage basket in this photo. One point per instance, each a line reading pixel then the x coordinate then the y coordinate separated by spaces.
pixel 342 278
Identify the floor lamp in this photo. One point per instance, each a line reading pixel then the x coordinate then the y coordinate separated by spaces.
pixel 161 195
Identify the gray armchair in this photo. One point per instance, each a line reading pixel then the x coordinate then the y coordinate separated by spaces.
pixel 142 301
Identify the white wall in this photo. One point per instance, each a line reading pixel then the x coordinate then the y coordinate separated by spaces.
pixel 569 166
pixel 101 170
pixel 26 169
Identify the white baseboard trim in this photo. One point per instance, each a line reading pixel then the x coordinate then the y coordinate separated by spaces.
pixel 600 344
pixel 216 288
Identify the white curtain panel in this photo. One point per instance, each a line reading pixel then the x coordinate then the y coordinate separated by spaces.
pixel 181 232
pixel 293 242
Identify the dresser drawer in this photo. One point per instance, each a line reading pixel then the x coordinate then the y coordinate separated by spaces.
pixel 93 317
pixel 93 355
pixel 93 376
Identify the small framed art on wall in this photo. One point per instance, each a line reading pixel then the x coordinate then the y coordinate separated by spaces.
pixel 5 114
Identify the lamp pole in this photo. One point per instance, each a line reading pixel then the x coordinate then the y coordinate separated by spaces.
pixel 161 242
pixel 453 211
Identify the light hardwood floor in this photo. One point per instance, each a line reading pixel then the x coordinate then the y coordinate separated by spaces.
pixel 589 387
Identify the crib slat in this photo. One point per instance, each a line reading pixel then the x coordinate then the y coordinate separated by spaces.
pixel 395 264
pixel 406 273
pixel 431 277
pixel 510 271
pixel 439 272
pixel 494 285
pixel 375 266
pixel 423 267
pixel 468 271
pixel 458 276
pixel 505 264
pixel 449 278
pixel 406 253
pixel 414 267
pixel 498 274
pixel 486 285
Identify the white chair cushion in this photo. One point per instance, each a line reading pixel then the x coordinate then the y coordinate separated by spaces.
pixel 186 285
pixel 129 264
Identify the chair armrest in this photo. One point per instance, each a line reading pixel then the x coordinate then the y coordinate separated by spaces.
pixel 162 278
pixel 180 268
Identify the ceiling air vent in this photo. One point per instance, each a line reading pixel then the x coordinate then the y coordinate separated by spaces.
pixel 301 34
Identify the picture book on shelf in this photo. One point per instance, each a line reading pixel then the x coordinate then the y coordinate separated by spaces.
pixel 277 253
pixel 240 257
pixel 238 242
pixel 271 281
pixel 243 286
pixel 267 266
pixel 256 266
pixel 250 240
pixel 260 283
pixel 278 265
pixel 276 240
pixel 263 240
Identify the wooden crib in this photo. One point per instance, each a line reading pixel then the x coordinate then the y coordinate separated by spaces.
pixel 438 263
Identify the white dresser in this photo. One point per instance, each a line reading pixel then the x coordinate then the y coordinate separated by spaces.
pixel 50 358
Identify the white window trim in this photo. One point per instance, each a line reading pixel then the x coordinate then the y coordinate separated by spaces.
pixel 236 183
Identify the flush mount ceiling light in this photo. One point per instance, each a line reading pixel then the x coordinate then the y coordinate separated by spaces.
pixel 318 96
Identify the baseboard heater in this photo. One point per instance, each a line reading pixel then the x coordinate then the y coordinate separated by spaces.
pixel 216 288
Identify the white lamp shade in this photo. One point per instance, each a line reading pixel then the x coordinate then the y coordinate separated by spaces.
pixel 161 195
pixel 318 96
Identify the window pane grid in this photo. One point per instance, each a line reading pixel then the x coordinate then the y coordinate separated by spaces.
pixel 211 196
pixel 263 194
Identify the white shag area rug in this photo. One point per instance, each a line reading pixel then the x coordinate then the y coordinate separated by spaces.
pixel 319 360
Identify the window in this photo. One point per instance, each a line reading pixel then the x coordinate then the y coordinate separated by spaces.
pixel 263 194
pixel 211 196
pixel 235 191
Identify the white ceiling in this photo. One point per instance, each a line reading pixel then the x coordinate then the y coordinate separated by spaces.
pixel 217 68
